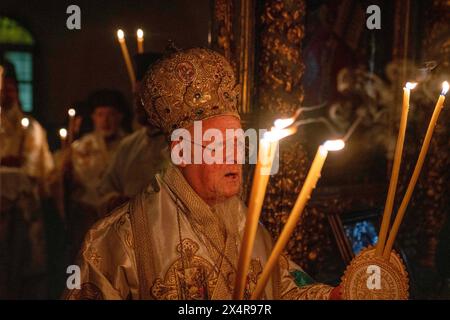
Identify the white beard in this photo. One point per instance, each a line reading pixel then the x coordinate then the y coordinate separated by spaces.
pixel 233 215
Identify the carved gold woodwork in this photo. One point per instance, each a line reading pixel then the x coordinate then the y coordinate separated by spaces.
pixel 279 93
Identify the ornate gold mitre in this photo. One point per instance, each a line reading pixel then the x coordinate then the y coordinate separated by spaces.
pixel 189 85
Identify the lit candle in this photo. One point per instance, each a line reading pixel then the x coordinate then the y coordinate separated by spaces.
pixel 305 194
pixel 63 137
pixel 395 169
pixel 283 123
pixel 267 149
pixel 416 172
pixel 140 40
pixel 126 57
pixel 71 134
pixel 286 122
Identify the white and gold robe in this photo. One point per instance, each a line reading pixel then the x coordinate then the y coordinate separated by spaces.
pixel 138 158
pixel 167 243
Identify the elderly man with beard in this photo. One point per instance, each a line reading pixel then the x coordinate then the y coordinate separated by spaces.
pixel 88 160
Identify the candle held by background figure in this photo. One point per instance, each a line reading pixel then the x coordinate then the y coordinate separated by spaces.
pixel 63 137
pixel 302 199
pixel 25 122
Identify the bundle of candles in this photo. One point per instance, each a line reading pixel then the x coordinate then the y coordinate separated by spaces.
pixel 126 54
pixel 267 150
pixel 67 136
pixel 394 282
pixel 25 123
pixel 1 88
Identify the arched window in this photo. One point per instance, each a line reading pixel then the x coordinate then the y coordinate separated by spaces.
pixel 16 45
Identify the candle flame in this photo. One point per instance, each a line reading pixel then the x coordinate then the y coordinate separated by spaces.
pixel 286 122
pixel 71 112
pixel 120 34
pixel 410 85
pixel 140 33
pixel 63 133
pixel 25 122
pixel 278 134
pixel 444 88
pixel 334 145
